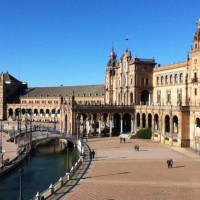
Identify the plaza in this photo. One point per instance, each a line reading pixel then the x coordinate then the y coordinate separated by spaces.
pixel 119 172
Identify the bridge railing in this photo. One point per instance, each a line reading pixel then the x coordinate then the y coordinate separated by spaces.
pixel 60 183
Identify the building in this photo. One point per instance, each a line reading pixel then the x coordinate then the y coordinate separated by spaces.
pixel 137 94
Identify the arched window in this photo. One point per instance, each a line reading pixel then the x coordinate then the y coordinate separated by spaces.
pixel 181 77
pixel 176 78
pixel 171 79
pixel 166 80
pixel 161 80
pixel 158 80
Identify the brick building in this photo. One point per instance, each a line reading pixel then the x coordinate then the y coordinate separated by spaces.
pixel 137 94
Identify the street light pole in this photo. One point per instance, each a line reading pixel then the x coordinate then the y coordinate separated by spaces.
pixel 21 170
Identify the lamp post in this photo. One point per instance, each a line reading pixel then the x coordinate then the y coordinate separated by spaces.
pixel 21 170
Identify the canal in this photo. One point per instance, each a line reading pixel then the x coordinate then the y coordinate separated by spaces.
pixel 46 165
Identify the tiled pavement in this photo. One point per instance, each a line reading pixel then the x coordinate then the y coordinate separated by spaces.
pixel 118 172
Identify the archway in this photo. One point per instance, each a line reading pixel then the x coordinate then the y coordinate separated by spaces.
pixel 175 124
pixel 156 122
pixel 143 120
pixel 138 120
pixel 149 120
pixel 117 124
pixel 167 124
pixel 126 123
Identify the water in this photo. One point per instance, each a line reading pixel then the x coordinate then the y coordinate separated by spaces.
pixel 46 165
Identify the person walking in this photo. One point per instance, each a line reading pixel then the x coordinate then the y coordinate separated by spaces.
pixel 93 153
pixel 171 163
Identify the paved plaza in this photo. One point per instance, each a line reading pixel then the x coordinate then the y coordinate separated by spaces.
pixel 118 172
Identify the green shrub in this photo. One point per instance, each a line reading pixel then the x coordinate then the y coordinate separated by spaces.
pixel 144 133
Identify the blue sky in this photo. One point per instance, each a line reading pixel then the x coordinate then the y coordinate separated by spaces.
pixel 68 42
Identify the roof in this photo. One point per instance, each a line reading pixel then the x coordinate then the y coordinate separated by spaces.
pixel 8 79
pixel 84 90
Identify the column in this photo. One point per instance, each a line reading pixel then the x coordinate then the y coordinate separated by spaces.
pixel 121 125
pixel 132 126
pixel 99 126
pixel 171 131
pixel 110 125
pixel 149 99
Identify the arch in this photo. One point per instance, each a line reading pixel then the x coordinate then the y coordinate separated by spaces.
pixel 47 111
pixel 117 124
pixel 158 80
pixel 156 122
pixel 175 124
pixel 41 111
pixel 149 120
pixel 166 79
pixel 126 123
pixel 198 122
pixel 162 81
pixel 167 124
pixel 144 97
pixel 171 79
pixel 35 112
pixel 176 78
pixel 181 78
pixel 138 119
pixel 23 111
pixel 53 111
pixel 143 120
pixel 10 112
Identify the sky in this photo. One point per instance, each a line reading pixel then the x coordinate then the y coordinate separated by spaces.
pixel 68 42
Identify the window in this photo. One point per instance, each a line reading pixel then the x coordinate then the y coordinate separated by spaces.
pixel 171 79
pixel 181 77
pixel 157 80
pixel 158 96
pixel 161 80
pixel 176 78
pixel 147 81
pixel 179 95
pixel 195 91
pixel 168 96
pixel 166 80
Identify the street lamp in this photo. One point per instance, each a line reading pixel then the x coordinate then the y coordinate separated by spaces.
pixel 21 170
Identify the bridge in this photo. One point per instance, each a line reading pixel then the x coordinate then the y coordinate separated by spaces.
pixel 37 136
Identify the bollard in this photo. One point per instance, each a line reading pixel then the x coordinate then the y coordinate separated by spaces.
pixel 38 196
pixel 61 181
pixel 51 188
pixel 67 174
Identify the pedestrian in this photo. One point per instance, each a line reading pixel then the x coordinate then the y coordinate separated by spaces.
pixel 124 139
pixel 168 163
pixel 171 163
pixel 120 139
pixel 93 153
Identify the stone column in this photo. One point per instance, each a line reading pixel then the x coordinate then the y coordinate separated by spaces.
pixel 121 124
pixel 99 126
pixel 110 122
pixel 171 131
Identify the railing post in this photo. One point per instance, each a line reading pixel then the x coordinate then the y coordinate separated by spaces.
pixel 51 188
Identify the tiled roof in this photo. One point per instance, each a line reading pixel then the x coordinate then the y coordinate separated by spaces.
pixel 84 90
pixel 10 79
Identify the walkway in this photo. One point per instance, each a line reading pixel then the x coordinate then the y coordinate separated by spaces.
pixel 120 173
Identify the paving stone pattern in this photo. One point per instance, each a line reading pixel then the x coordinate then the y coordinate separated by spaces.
pixel 118 172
